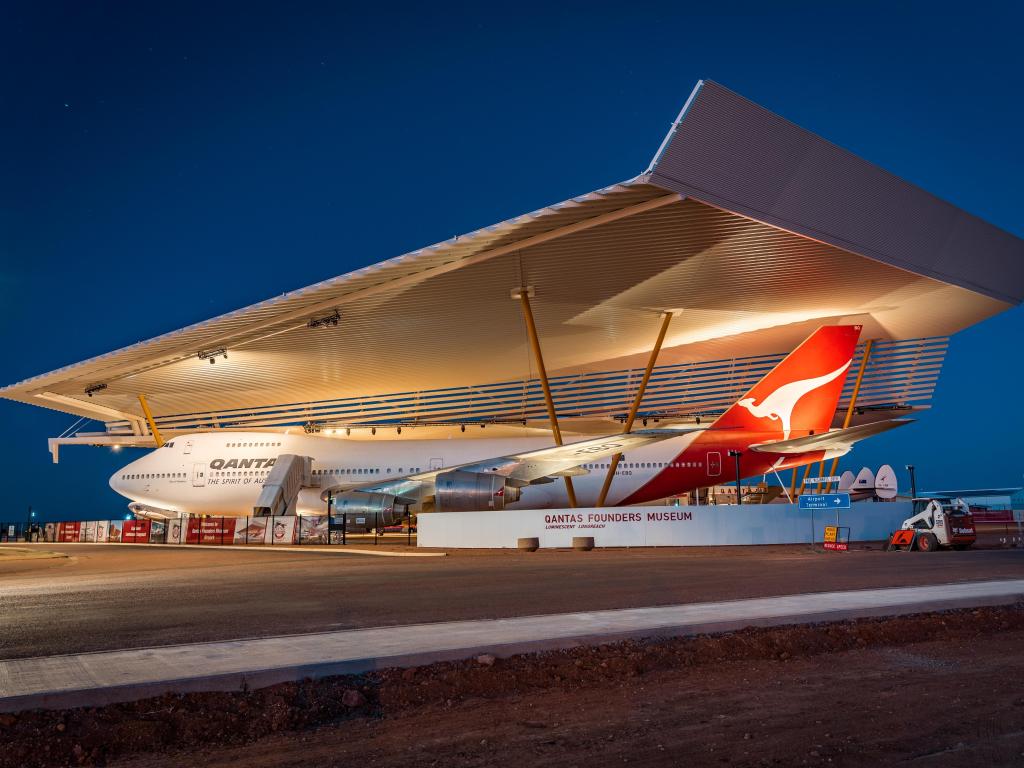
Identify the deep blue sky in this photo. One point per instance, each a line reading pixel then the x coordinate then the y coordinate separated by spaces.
pixel 163 164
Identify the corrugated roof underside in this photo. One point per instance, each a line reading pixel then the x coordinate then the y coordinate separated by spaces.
pixel 211 333
pixel 734 154
pixel 741 287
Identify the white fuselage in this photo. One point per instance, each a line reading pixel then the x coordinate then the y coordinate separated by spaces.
pixel 223 473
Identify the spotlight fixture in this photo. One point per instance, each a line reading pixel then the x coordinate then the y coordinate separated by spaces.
pixel 373 430
pixel 348 432
pixel 462 427
pixel 325 322
pixel 93 388
pixel 212 354
pixel 399 430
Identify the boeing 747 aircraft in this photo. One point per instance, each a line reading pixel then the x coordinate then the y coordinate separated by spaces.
pixel 782 422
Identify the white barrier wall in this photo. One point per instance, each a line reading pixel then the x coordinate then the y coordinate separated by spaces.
pixel 656 526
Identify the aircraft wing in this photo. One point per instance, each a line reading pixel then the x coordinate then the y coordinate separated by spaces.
pixel 836 439
pixel 528 467
pixel 560 459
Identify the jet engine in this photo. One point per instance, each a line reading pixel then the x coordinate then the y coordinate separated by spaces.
pixel 378 508
pixel 461 491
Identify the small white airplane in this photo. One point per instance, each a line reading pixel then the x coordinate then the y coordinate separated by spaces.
pixel 782 422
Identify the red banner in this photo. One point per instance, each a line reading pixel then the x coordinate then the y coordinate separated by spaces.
pixel 136 531
pixel 211 530
pixel 836 546
pixel 69 531
pixel 983 515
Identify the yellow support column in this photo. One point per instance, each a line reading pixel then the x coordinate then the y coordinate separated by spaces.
pixel 803 482
pixel 523 294
pixel 149 419
pixel 666 319
pixel 821 473
pixel 853 400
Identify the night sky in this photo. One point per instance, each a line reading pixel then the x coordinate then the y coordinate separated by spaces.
pixel 161 165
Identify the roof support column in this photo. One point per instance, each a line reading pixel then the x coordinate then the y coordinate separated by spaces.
pixel 803 482
pixel 523 294
pixel 853 401
pixel 628 425
pixel 149 420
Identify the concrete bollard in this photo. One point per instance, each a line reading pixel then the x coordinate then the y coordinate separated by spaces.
pixel 531 544
pixel 583 543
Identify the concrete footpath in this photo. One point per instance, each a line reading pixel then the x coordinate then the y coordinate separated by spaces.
pixel 91 679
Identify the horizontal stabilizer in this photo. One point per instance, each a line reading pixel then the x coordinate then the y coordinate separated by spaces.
pixel 837 439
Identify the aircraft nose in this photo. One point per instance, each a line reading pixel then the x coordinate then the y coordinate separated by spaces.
pixel 116 482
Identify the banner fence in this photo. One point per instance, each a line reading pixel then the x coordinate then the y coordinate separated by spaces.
pixel 221 531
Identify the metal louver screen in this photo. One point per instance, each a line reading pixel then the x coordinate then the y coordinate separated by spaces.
pixel 900 373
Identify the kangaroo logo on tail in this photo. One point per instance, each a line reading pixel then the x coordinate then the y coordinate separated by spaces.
pixel 779 405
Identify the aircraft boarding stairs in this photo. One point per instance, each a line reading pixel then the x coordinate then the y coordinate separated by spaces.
pixel 289 475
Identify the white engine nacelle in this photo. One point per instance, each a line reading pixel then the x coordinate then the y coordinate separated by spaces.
pixel 461 491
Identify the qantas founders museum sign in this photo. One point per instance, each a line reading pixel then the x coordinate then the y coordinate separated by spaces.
pixel 654 526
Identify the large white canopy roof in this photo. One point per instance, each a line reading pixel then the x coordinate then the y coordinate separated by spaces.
pixel 688 235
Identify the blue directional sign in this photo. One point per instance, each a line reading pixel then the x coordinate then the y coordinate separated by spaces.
pixel 825 501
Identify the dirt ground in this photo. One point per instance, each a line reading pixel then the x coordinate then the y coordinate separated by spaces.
pixel 937 689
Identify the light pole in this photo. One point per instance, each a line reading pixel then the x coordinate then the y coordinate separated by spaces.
pixel 739 491
pixel 330 502
pixel 913 482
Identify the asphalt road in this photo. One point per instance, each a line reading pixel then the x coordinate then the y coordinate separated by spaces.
pixel 106 597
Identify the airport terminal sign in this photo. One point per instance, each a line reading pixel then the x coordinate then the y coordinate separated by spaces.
pixel 825 501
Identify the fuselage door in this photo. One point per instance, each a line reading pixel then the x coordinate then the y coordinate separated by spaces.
pixel 198 474
pixel 188 446
pixel 437 463
pixel 714 463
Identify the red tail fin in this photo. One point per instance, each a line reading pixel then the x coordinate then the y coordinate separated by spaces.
pixel 800 394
